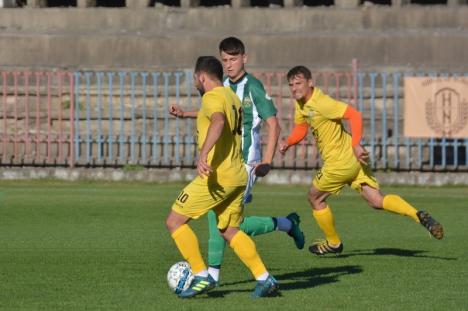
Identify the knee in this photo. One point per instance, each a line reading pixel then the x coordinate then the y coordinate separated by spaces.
pixel 312 198
pixel 228 233
pixel 316 202
pixel 375 202
pixel 171 225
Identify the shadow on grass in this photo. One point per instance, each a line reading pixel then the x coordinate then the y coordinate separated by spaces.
pixel 297 280
pixel 391 252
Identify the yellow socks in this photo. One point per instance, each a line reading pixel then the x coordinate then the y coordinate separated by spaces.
pixel 245 249
pixel 394 203
pixel 326 222
pixel 187 243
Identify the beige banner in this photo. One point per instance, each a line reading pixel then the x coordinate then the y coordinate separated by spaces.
pixel 436 107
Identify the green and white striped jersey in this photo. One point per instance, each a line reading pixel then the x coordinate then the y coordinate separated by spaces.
pixel 256 106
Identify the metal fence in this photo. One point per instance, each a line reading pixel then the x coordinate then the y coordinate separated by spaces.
pixel 121 118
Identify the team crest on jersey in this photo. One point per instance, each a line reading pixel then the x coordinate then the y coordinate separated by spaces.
pixel 247 102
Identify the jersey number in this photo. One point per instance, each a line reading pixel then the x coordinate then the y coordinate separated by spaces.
pixel 182 197
pixel 238 121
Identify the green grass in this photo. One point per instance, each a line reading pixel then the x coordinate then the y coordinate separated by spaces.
pixel 104 246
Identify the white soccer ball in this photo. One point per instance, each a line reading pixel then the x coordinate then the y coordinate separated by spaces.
pixel 179 276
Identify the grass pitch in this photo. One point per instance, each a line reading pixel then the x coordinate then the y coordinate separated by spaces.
pixel 104 246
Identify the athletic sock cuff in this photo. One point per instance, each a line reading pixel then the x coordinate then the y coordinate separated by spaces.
pixel 179 230
pixel 322 211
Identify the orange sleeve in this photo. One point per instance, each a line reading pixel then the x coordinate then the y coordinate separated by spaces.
pixel 355 123
pixel 298 133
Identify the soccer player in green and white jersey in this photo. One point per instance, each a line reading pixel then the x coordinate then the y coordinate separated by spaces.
pixel 257 107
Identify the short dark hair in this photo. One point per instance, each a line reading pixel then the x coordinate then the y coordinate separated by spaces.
pixel 299 70
pixel 232 46
pixel 210 65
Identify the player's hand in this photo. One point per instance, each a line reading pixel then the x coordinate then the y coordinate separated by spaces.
pixel 176 111
pixel 262 169
pixel 283 147
pixel 203 168
pixel 361 154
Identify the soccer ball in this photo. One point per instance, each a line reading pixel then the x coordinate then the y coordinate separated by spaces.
pixel 179 276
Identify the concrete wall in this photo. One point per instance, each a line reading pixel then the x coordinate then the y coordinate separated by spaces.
pixel 184 175
pixel 380 37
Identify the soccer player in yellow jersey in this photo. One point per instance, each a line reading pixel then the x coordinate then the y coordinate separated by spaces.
pixel 345 161
pixel 219 186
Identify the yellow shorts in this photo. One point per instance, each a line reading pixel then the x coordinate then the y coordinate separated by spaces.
pixel 197 198
pixel 332 178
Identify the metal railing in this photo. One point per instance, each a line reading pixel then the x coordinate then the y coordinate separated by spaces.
pixel 120 118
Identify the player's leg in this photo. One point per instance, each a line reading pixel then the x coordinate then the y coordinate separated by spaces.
pixel 324 217
pixel 256 225
pixel 194 201
pixel 186 241
pixel 229 220
pixel 396 204
pixel 216 247
pixel 217 244
pixel 329 180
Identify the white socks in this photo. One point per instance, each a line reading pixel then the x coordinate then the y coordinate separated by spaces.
pixel 214 272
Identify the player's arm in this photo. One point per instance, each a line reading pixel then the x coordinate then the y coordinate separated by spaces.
pixel 215 130
pixel 274 130
pixel 178 112
pixel 354 118
pixel 267 112
pixel 298 133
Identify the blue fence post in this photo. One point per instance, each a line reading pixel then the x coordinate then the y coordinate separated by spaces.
pixel 444 152
pixel 88 116
pixel 177 137
pixel 408 142
pixel 431 153
pixel 372 76
pixel 466 149
pixel 420 162
pixel 122 76
pixel 384 120
pixel 189 134
pixel 361 99
pixel 77 116
pixel 99 138
pixel 408 153
pixel 144 76
pixel 110 77
pixel 396 112
pixel 166 76
pixel 361 91
pixel 132 116
pixel 155 137
pixel 455 153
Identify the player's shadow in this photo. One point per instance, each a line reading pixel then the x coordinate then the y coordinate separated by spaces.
pixel 315 277
pixel 391 252
pixel 297 280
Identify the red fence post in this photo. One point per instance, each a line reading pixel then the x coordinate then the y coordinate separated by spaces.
pixel 5 123
pixel 60 111
pixel 355 81
pixel 72 120
pixel 26 111
pixel 38 125
pixel 49 118
pixel 15 115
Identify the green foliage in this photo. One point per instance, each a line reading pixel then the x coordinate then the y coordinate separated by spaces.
pixel 104 246
pixel 133 167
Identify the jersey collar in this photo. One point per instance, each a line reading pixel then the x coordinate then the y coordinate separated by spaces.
pixel 238 80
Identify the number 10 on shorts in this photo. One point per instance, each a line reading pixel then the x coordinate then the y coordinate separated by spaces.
pixel 182 198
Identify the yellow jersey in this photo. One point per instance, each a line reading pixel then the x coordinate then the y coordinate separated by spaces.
pixel 226 156
pixel 324 114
